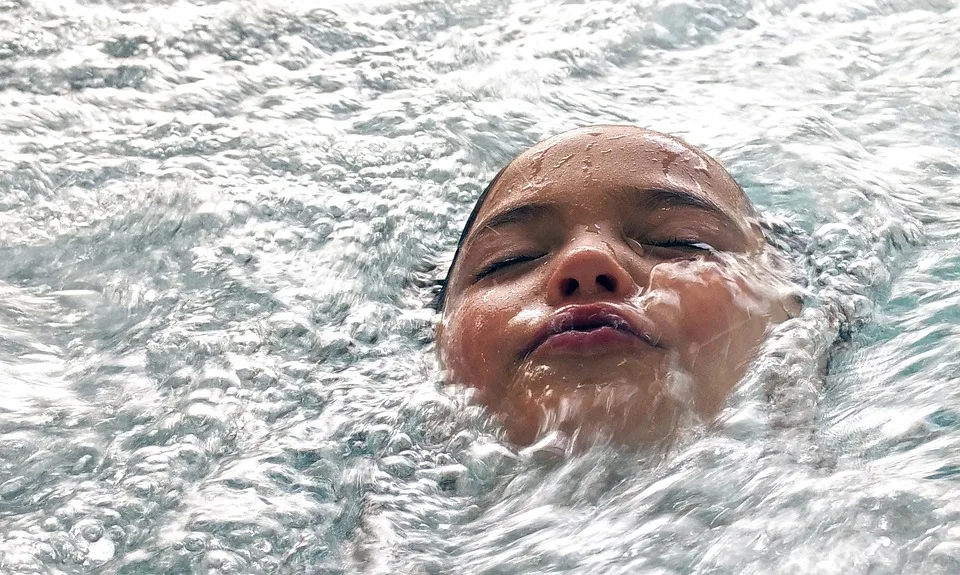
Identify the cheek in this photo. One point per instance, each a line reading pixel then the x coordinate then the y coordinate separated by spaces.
pixel 710 302
pixel 475 346
pixel 717 319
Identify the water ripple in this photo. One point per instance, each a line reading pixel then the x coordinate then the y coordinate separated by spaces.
pixel 220 224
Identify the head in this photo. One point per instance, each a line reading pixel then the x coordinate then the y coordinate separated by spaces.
pixel 611 282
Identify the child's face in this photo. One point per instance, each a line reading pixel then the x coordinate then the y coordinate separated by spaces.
pixel 610 286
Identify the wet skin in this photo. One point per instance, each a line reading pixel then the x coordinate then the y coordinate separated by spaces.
pixel 613 285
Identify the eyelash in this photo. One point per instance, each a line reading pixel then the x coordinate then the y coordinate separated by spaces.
pixel 499 265
pixel 680 243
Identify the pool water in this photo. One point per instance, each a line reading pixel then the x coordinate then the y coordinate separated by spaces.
pixel 220 224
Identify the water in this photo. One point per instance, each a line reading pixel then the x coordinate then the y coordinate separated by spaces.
pixel 219 224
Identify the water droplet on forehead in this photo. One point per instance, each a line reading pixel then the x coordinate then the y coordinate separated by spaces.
pixel 562 161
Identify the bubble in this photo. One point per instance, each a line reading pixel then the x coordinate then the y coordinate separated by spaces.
pixel 398 466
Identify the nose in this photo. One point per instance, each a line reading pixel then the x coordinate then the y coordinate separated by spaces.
pixel 587 273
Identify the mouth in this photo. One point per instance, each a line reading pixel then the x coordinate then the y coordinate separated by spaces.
pixel 589 329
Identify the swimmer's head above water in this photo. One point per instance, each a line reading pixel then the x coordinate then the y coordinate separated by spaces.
pixel 611 282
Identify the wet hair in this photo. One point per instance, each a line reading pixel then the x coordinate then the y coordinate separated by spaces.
pixel 441 298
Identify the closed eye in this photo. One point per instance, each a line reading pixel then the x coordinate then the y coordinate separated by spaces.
pixel 684 244
pixel 678 248
pixel 504 264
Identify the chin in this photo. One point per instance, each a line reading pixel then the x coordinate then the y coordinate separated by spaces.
pixel 622 409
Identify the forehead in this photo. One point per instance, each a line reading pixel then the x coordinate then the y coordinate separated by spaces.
pixel 575 166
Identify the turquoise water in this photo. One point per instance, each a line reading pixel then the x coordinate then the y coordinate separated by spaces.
pixel 219 223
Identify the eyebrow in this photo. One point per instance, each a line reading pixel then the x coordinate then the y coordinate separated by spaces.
pixel 521 214
pixel 631 198
pixel 647 198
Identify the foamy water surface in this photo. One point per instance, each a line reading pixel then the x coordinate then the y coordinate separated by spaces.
pixel 219 224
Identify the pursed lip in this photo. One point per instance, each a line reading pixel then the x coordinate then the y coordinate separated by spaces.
pixel 588 317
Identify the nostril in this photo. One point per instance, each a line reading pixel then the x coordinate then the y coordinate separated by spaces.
pixel 569 286
pixel 607 282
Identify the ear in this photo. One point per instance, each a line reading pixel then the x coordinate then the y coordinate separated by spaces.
pixel 440 339
pixel 756 235
pixel 438 332
pixel 788 305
